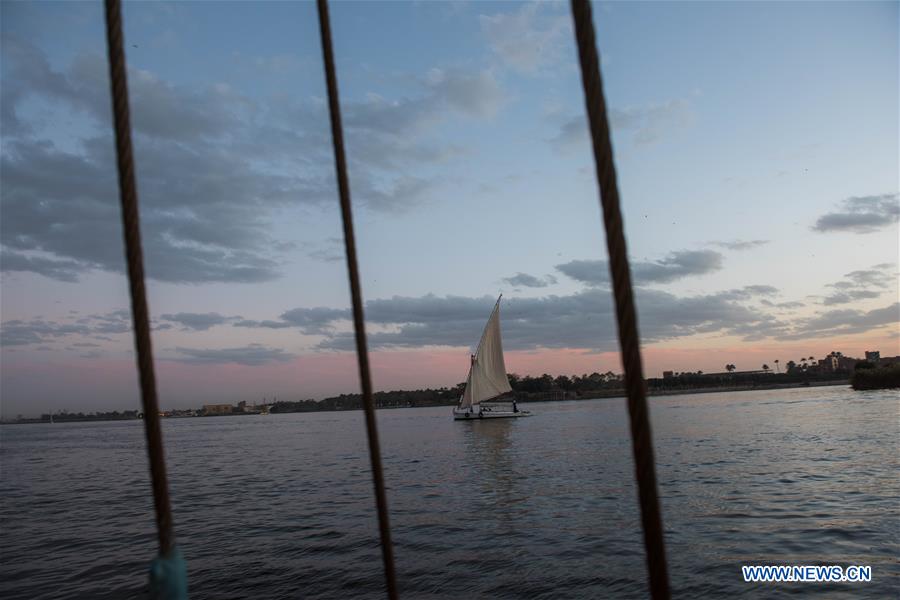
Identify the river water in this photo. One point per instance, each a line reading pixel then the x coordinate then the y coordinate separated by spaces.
pixel 281 506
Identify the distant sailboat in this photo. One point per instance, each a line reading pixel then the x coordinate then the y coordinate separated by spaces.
pixel 487 383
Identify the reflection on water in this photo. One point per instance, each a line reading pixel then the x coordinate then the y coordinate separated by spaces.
pixel 545 507
pixel 488 451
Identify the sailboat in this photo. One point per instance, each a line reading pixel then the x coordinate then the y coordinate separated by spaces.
pixel 488 394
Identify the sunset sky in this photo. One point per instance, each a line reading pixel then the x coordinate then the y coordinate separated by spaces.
pixel 756 146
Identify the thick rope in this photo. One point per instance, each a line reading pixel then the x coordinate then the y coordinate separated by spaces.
pixel 134 258
pixel 362 352
pixel 641 439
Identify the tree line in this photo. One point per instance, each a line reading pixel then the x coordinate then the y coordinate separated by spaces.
pixel 548 387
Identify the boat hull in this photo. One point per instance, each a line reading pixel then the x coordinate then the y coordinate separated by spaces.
pixel 478 413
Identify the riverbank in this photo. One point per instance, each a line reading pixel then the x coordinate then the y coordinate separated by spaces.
pixel 523 398
pixel 653 392
pixel 748 388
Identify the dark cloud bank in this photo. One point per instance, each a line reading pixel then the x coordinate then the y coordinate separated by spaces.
pixel 581 320
pixel 215 168
pixel 861 214
pixel 677 265
pixel 585 320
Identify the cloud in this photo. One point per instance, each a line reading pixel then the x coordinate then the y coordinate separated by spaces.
pixel 194 224
pixel 399 195
pixel 384 135
pixel 647 123
pixel 115 322
pixel 39 330
pixel 880 276
pixel 474 94
pixel 216 169
pixel 22 333
pixel 761 290
pixel 840 322
pixel 526 280
pixel 785 305
pixel 26 72
pixel 267 324
pixel 310 321
pixel 331 250
pixel 791 304
pixel 315 321
pixel 862 284
pixel 582 320
pixel 197 321
pixel 677 265
pixel 527 39
pixel 572 132
pixel 861 214
pixel 748 292
pixel 36 331
pixel 61 270
pixel 252 355
pixel 850 296
pixel 740 244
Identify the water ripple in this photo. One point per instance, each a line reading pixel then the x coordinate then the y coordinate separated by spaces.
pixel 281 506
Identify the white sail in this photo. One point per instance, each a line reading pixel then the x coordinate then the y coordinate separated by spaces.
pixel 487 376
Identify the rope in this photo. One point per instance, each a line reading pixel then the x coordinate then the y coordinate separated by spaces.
pixel 362 352
pixel 134 258
pixel 641 439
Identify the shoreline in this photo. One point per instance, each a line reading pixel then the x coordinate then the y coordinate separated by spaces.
pixel 748 388
pixel 620 393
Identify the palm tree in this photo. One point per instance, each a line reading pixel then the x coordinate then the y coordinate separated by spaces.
pixel 765 368
pixel 776 366
pixel 730 368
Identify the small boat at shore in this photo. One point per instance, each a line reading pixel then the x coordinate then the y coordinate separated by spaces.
pixel 488 394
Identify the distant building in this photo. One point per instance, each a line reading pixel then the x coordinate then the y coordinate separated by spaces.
pixel 217 409
pixel 845 363
pixel 668 374
pixel 829 364
pixel 836 361
pixel 250 409
pixel 873 357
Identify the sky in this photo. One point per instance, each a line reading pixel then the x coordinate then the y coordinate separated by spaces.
pixel 757 147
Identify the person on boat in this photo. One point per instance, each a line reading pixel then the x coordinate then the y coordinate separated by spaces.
pixel 515 406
